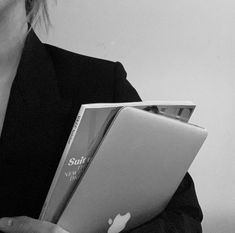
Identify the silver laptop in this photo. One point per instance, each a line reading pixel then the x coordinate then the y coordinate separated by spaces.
pixel 134 173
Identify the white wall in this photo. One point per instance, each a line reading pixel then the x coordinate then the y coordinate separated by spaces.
pixel 172 50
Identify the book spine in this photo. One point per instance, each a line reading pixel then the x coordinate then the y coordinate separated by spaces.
pixel 62 161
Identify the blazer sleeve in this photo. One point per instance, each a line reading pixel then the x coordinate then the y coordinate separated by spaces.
pixel 183 213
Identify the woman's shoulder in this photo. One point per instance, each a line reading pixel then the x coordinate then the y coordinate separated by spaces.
pixel 73 62
pixel 75 69
pixel 90 75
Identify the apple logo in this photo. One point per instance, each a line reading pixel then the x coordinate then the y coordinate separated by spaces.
pixel 119 223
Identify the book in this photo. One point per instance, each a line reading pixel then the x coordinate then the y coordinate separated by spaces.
pixel 87 132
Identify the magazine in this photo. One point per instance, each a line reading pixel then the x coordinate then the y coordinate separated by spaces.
pixel 89 127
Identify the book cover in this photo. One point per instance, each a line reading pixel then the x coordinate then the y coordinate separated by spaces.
pixel 89 127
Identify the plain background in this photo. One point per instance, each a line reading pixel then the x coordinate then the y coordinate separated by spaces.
pixel 172 50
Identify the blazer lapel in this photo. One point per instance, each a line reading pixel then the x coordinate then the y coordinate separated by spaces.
pixel 34 106
pixel 33 135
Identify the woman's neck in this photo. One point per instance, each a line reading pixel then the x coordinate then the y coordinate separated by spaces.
pixel 13 31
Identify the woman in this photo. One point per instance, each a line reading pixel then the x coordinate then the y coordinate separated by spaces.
pixel 41 90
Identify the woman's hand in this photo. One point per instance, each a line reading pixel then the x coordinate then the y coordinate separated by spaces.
pixel 25 224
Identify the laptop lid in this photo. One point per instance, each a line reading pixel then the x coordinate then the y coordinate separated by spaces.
pixel 135 171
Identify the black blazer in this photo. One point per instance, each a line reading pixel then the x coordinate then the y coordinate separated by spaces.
pixel 49 87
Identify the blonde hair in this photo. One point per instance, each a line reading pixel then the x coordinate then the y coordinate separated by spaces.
pixel 37 13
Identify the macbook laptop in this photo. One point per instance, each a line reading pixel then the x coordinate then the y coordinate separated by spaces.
pixel 134 173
